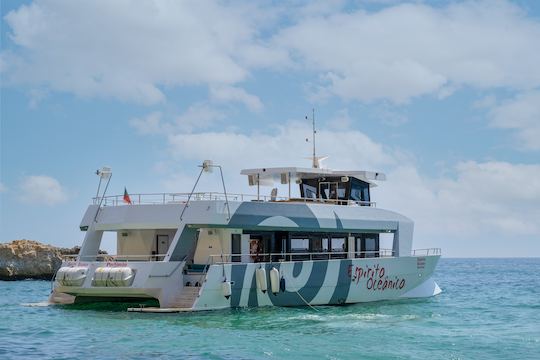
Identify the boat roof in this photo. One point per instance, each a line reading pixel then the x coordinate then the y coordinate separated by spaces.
pixel 267 176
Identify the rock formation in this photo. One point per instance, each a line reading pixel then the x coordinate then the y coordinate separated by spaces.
pixel 27 259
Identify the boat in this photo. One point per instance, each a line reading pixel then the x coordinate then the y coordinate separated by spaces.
pixel 215 250
pixel 181 252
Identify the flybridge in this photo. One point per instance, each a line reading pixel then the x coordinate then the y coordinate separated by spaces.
pixel 316 184
pixel 267 176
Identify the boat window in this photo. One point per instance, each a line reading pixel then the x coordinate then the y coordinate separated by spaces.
pixel 370 247
pixel 359 190
pixel 319 244
pixel 310 192
pixel 367 245
pixel 300 245
pixel 236 247
pixel 338 244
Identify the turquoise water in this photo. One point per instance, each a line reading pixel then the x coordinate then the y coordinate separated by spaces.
pixel 490 309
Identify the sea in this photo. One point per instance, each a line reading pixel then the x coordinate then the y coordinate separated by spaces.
pixel 489 309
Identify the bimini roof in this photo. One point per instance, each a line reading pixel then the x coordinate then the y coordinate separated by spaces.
pixel 270 176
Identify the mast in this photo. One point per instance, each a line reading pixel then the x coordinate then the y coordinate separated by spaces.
pixel 315 160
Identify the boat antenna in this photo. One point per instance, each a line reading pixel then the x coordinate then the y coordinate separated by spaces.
pixel 207 166
pixel 315 159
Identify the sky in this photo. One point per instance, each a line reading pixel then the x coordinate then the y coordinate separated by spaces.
pixel 441 96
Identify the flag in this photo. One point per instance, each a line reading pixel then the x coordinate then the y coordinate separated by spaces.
pixel 127 199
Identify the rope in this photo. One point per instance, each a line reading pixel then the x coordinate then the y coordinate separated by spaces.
pixel 304 300
pixel 308 304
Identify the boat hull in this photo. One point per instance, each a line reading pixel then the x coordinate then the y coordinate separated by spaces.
pixel 302 283
pixel 321 282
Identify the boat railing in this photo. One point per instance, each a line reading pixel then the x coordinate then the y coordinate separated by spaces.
pixel 426 252
pixel 181 198
pixel 113 259
pixel 297 256
pixel 310 256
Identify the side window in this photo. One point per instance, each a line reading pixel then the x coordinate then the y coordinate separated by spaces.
pixel 338 244
pixel 299 245
pixel 236 248
pixel 310 192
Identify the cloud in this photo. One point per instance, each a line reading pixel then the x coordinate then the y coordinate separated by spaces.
pixel 521 114
pixel 410 50
pixel 3 188
pixel 150 124
pixel 480 203
pixel 197 116
pixel 235 94
pixel 396 53
pixel 42 189
pixel 131 50
pixel 284 146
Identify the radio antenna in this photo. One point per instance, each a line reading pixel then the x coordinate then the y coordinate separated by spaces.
pixel 315 159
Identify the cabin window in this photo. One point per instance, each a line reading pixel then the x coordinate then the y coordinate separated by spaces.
pixel 359 190
pixel 310 192
pixel 339 246
pixel 367 245
pixel 300 245
pixel 319 244
pixel 236 249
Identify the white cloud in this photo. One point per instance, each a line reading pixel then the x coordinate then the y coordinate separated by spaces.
pixel 134 50
pixel 483 204
pixel 285 146
pixel 130 50
pixel 521 114
pixel 410 50
pixel 3 188
pixel 197 116
pixel 235 94
pixel 150 124
pixel 42 189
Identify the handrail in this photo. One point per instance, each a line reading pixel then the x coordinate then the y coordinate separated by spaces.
pixel 182 198
pixel 114 258
pixel 280 257
pixel 426 252
pixel 268 257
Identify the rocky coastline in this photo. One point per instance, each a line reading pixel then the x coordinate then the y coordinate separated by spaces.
pixel 28 259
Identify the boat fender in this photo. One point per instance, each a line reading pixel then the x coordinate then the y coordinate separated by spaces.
pixel 274 280
pixel 226 289
pixel 282 284
pixel 261 279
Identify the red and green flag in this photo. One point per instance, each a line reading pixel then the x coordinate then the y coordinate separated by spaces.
pixel 127 199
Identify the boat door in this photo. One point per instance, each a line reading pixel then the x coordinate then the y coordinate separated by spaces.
pixel 162 244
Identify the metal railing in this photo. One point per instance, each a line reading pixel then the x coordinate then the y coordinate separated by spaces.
pixel 305 256
pixel 105 258
pixel 297 256
pixel 181 198
pixel 426 252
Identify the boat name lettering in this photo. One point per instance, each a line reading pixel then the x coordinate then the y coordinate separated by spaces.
pixel 116 264
pixel 376 277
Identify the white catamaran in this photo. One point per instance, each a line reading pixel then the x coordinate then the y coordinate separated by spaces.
pixel 203 251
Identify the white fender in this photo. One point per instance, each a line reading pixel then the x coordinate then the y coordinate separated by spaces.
pixel 274 280
pixel 226 289
pixel 261 279
pixel 71 276
pixel 113 277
